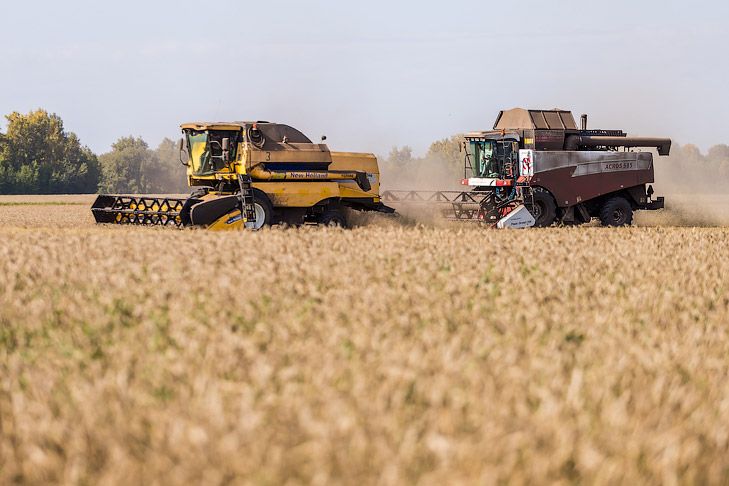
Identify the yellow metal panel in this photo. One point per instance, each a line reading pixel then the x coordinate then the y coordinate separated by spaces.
pixel 354 161
pixel 231 221
pixel 298 194
pixel 351 189
pixel 293 156
pixel 361 162
pixel 202 178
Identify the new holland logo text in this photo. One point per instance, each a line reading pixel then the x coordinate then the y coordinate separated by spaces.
pixel 308 175
pixel 234 219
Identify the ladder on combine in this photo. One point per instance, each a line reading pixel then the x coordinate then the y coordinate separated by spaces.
pixel 247 199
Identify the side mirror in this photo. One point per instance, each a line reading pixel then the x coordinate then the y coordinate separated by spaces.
pixel 514 146
pixel 181 146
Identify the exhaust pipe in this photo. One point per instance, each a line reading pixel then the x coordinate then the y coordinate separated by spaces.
pixel 583 121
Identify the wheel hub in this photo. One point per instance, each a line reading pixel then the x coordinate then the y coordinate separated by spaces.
pixel 618 215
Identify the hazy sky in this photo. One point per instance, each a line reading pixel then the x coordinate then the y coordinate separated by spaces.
pixel 370 74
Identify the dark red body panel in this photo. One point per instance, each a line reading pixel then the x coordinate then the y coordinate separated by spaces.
pixel 577 177
pixel 568 190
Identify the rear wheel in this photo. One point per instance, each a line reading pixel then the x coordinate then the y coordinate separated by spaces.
pixel 544 209
pixel 333 217
pixel 617 211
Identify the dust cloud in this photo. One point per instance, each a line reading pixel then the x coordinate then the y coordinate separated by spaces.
pixel 433 172
pixel 430 173
pixel 696 188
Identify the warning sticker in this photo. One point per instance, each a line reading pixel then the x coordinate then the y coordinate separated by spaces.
pixel 526 162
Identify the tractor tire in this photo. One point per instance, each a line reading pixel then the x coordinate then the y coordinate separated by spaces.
pixel 333 217
pixel 264 210
pixel 616 211
pixel 545 209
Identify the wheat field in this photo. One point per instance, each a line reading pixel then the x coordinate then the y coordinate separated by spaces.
pixel 386 354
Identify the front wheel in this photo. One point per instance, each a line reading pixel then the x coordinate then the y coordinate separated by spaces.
pixel 544 209
pixel 264 210
pixel 616 212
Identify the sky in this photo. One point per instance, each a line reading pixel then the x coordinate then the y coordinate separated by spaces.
pixel 370 75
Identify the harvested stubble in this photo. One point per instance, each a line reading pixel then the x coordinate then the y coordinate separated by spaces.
pixel 379 354
pixel 50 199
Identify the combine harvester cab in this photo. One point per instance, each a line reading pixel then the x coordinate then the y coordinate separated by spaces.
pixel 254 174
pixel 539 161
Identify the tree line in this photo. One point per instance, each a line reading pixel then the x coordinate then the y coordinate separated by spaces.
pixel 38 156
pixel 686 170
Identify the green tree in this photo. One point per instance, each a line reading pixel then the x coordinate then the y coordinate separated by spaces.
pixel 400 157
pixel 689 153
pixel 122 169
pixel 37 156
pixel 448 150
pixel 132 167
pixel 719 153
pixel 172 176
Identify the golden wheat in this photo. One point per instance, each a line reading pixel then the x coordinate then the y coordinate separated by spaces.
pixel 383 354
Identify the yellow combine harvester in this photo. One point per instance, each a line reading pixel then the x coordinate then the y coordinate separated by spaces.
pixel 251 174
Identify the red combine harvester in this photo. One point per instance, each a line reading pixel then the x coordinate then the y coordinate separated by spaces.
pixel 536 167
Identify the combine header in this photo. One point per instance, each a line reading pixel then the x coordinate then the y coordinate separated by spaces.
pixel 536 168
pixel 163 211
pixel 474 206
pixel 254 174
